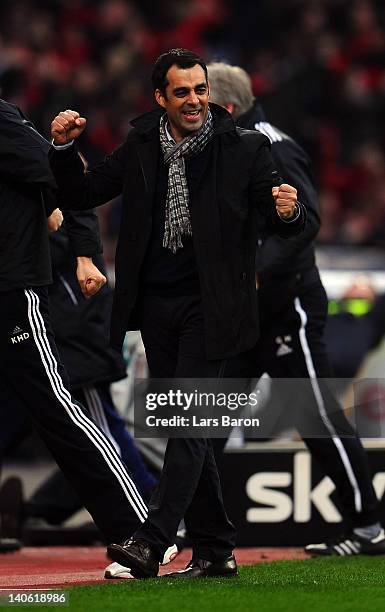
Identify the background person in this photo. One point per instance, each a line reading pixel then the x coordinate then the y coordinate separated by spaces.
pixel 30 366
pixel 355 326
pixel 293 309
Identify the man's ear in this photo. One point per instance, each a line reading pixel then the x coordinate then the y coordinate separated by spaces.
pixel 159 97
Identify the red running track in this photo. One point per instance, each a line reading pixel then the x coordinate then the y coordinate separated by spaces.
pixel 68 566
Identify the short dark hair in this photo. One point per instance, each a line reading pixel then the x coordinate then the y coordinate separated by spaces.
pixel 183 58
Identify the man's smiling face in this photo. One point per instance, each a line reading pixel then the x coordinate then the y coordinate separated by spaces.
pixel 185 100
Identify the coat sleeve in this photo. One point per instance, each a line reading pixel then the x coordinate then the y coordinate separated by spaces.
pixel 23 151
pixel 83 232
pixel 265 176
pixel 85 189
pixel 277 255
pixel 78 237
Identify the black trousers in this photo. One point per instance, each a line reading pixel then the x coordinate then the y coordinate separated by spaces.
pixel 291 346
pixel 55 499
pixel 30 367
pixel 173 336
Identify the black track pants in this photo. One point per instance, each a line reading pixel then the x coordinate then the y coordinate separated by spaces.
pixel 292 347
pixel 30 367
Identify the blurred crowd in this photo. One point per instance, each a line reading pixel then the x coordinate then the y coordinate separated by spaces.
pixel 317 66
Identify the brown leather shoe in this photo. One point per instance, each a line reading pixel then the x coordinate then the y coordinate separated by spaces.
pixel 200 568
pixel 137 555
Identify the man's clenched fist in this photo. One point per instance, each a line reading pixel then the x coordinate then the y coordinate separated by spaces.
pixel 67 126
pixel 285 197
pixel 89 276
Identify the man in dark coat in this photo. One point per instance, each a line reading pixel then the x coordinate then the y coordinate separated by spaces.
pixel 193 186
pixel 293 308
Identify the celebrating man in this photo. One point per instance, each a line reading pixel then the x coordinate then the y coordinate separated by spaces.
pixel 193 187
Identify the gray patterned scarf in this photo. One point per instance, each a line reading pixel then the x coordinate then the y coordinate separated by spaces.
pixel 177 221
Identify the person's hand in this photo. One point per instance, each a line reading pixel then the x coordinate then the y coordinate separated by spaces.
pixel 285 197
pixel 89 277
pixel 55 220
pixel 67 126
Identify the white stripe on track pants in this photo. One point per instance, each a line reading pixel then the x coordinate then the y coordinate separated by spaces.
pixel 30 366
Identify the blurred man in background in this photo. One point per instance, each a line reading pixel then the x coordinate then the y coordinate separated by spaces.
pixel 355 325
pixel 293 308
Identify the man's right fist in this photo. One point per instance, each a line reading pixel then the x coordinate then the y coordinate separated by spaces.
pixel 67 126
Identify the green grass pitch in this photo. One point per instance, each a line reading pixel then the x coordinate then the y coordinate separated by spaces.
pixel 316 585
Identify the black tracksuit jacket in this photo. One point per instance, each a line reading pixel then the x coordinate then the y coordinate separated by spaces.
pixel 285 266
pixel 28 195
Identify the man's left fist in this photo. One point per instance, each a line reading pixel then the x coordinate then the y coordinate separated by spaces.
pixel 285 197
pixel 89 276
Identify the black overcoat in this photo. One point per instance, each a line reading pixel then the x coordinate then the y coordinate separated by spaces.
pixel 234 190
